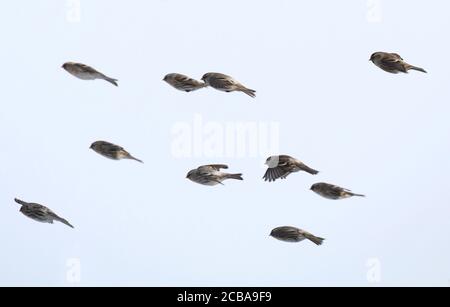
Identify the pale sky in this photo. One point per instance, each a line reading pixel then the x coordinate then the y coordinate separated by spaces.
pixel 318 99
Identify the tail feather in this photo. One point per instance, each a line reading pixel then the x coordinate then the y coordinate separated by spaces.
pixel 64 221
pixel 355 194
pixel 111 80
pixel 314 239
pixel 136 159
pixel 234 176
pixel 417 68
pixel 309 170
pixel 248 91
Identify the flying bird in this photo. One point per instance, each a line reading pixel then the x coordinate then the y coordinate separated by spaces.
pixel 282 166
pixel 85 72
pixel 332 191
pixel 183 83
pixel 211 174
pixel 226 83
pixel 112 151
pixel 294 234
pixel 40 213
pixel 392 62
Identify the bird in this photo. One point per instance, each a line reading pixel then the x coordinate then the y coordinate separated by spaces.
pixel 226 83
pixel 211 175
pixel 183 83
pixel 332 191
pixel 40 213
pixel 294 234
pixel 392 63
pixel 282 166
pixel 112 151
pixel 85 72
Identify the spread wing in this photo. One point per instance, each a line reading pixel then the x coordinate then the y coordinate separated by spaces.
pixel 274 173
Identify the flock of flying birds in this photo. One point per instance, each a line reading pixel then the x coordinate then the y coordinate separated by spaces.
pixel 278 167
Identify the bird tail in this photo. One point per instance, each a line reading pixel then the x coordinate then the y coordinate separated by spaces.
pixel 417 68
pixel 111 80
pixel 234 176
pixel 133 158
pixel 309 170
pixel 314 239
pixel 21 202
pixel 248 91
pixel 64 221
pixel 355 194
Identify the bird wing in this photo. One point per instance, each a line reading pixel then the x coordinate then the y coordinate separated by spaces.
pixel 182 78
pixel 217 167
pixel 221 81
pixel 86 68
pixel 397 56
pixel 111 148
pixel 393 63
pixel 283 160
pixel 274 173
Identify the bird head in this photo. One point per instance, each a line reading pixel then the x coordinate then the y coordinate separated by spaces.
pixel 272 161
pixel 189 175
pixel 206 76
pixel 374 56
pixel 314 187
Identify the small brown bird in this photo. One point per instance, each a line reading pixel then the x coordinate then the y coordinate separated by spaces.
pixel 283 165
pixel 226 83
pixel 294 234
pixel 211 174
pixel 331 191
pixel 40 213
pixel 111 151
pixel 183 83
pixel 85 72
pixel 392 62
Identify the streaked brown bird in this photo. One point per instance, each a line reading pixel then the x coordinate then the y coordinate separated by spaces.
pixel 294 234
pixel 40 213
pixel 85 72
pixel 226 83
pixel 283 165
pixel 211 174
pixel 183 83
pixel 392 63
pixel 332 191
pixel 112 151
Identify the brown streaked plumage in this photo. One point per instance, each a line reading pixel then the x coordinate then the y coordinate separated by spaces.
pixel 226 83
pixel 183 83
pixel 112 151
pixel 40 213
pixel 211 174
pixel 294 234
pixel 392 63
pixel 283 165
pixel 332 191
pixel 85 72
